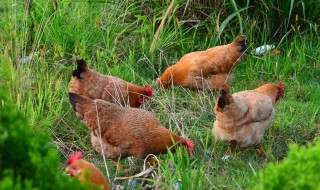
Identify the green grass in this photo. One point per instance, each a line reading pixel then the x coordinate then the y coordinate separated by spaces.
pixel 120 46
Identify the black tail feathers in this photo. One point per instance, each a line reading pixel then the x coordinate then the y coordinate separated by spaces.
pixel 73 100
pixel 223 98
pixel 241 41
pixel 82 67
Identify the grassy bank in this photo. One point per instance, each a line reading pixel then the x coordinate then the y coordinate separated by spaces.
pixel 39 42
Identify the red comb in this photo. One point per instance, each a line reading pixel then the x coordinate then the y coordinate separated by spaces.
pixel 281 91
pixel 76 156
pixel 280 84
pixel 149 90
pixel 190 145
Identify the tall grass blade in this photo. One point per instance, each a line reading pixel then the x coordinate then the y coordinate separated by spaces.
pixel 290 12
pixel 303 10
pixel 160 28
pixel 225 22
pixel 239 17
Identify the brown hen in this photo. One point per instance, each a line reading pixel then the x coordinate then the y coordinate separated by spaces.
pixel 85 171
pixel 94 85
pixel 243 117
pixel 124 131
pixel 208 69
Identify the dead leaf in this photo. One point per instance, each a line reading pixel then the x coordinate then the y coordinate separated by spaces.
pixel 276 52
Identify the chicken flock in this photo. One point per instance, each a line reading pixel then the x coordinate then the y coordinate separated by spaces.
pixel 109 107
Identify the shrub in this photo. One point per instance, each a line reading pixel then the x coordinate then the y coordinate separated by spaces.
pixel 300 170
pixel 27 160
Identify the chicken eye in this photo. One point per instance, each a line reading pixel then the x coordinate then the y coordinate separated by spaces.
pixel 74 167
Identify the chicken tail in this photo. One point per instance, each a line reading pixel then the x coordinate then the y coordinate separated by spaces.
pixel 78 102
pixel 224 98
pixel 81 67
pixel 240 43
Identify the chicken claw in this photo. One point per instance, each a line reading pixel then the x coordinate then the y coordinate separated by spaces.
pixel 231 151
pixel 152 162
pixel 261 151
pixel 119 167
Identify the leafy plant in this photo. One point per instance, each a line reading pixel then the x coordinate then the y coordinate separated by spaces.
pixel 300 170
pixel 27 159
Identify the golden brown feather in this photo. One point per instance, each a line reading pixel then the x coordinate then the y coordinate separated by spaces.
pixel 94 85
pixel 85 171
pixel 124 131
pixel 208 69
pixel 243 117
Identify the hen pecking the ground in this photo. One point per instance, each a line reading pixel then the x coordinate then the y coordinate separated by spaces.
pixel 94 85
pixel 125 131
pixel 208 69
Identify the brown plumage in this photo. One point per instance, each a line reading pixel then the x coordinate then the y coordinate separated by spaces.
pixel 243 117
pixel 85 171
pixel 124 131
pixel 208 69
pixel 94 85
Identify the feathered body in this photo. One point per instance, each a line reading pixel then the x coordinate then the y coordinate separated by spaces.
pixel 94 85
pixel 85 171
pixel 242 118
pixel 124 131
pixel 208 69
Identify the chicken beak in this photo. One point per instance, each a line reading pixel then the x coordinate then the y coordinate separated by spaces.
pixel 141 99
pixel 67 170
pixel 159 82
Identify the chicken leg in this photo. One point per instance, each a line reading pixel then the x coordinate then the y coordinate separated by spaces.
pixel 261 151
pixel 231 149
pixel 152 162
pixel 231 146
pixel 119 167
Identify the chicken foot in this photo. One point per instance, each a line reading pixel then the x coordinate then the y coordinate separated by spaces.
pixel 261 151
pixel 231 146
pixel 118 165
pixel 152 162
pixel 231 149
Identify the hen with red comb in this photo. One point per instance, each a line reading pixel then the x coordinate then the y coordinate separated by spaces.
pixel 94 85
pixel 74 157
pixel 125 131
pixel 243 117
pixel 85 171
